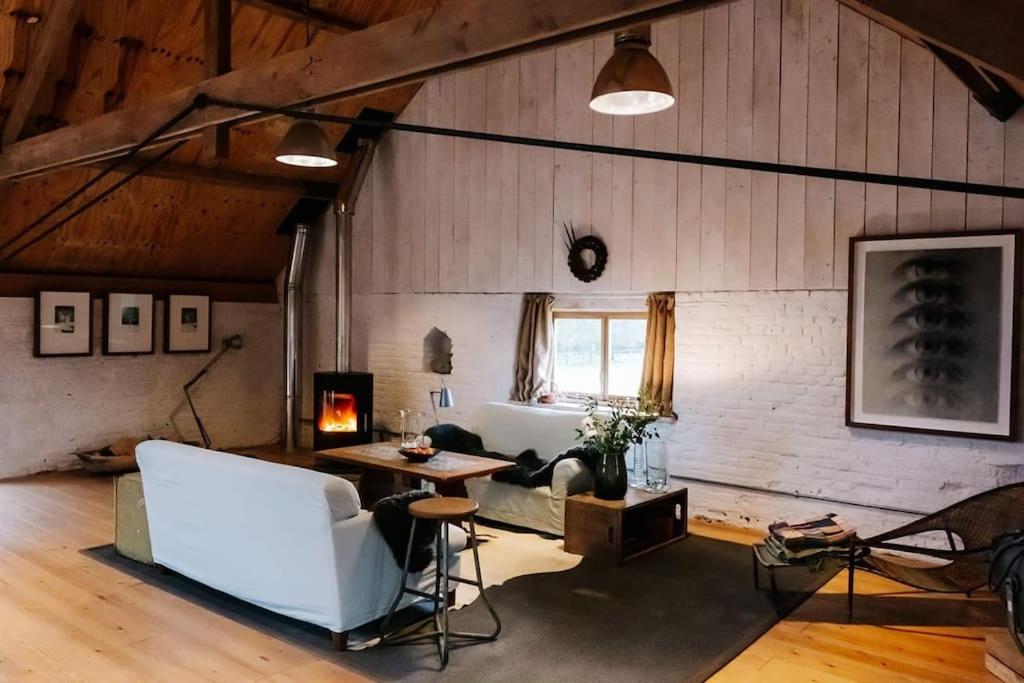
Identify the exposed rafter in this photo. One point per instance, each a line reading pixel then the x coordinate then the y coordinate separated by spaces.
pixel 27 284
pixel 296 11
pixel 223 178
pixel 217 61
pixel 984 32
pixel 54 34
pixel 409 49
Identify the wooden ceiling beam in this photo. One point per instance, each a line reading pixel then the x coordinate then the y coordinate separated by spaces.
pixel 409 49
pixel 296 11
pixel 54 34
pixel 216 62
pixel 223 178
pixel 984 32
pixel 28 284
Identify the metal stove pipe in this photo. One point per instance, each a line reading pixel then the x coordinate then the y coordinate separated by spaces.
pixel 344 212
pixel 293 335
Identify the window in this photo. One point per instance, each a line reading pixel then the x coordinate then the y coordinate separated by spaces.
pixel 599 354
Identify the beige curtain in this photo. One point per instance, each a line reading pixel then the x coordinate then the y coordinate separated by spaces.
pixel 533 348
pixel 659 349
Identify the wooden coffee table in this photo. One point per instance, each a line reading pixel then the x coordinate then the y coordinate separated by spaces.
pixel 447 471
pixel 620 530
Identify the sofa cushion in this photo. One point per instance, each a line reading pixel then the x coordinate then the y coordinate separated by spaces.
pixel 508 428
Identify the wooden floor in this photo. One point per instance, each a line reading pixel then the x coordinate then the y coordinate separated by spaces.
pixel 64 617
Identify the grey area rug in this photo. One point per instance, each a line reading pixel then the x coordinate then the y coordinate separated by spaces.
pixel 678 614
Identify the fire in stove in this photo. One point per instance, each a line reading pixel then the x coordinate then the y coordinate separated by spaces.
pixel 342 409
pixel 338 413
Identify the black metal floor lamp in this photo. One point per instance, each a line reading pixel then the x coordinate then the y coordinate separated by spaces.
pixel 234 342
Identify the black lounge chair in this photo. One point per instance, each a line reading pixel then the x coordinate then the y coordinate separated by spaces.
pixel 976 521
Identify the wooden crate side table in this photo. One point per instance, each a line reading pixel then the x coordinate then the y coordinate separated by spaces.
pixel 620 530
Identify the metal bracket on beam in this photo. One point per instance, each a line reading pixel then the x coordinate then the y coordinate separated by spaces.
pixel 990 90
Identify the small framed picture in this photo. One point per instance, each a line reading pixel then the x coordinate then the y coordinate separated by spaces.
pixel 63 324
pixel 187 324
pixel 934 333
pixel 128 324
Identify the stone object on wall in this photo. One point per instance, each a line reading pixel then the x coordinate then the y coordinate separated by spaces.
pixel 437 352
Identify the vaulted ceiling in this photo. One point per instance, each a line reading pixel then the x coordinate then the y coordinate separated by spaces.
pixel 96 76
pixel 119 54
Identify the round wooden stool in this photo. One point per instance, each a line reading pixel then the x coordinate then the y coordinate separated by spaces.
pixel 443 511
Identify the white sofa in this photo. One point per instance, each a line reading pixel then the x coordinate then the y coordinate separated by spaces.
pixel 290 540
pixel 511 429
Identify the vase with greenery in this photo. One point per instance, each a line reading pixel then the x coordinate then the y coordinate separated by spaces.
pixel 609 434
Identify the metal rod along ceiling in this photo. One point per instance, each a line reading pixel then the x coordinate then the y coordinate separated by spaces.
pixel 675 157
pixel 202 101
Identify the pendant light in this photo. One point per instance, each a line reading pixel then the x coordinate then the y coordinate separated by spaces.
pixel 632 81
pixel 305 144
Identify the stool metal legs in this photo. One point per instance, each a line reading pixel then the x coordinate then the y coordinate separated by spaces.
pixel 442 578
pixel 402 587
pixel 480 584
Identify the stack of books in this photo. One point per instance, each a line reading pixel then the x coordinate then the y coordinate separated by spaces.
pixel 809 540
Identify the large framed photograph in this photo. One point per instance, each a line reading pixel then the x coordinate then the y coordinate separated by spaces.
pixel 63 324
pixel 934 333
pixel 128 324
pixel 187 324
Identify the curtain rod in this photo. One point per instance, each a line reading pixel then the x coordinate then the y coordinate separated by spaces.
pixel 656 155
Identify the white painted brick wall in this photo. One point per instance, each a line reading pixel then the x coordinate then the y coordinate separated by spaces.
pixel 388 333
pixel 760 393
pixel 52 407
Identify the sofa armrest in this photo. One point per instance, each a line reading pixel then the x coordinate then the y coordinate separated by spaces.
pixel 570 477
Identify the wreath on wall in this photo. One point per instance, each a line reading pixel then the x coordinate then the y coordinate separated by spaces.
pixel 588 255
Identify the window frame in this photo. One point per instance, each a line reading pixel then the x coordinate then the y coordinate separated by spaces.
pixel 605 317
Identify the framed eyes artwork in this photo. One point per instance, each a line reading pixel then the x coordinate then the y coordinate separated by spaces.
pixel 933 333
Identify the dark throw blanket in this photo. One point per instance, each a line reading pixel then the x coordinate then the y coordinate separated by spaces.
pixel 529 471
pixel 392 518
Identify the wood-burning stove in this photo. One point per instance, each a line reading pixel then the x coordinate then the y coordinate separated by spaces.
pixel 342 409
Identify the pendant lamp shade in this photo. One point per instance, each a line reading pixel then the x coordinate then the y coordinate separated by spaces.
pixel 632 81
pixel 305 144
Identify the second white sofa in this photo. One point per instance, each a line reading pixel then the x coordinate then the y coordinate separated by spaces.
pixel 510 429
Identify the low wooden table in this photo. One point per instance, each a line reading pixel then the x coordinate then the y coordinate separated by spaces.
pixel 447 471
pixel 620 530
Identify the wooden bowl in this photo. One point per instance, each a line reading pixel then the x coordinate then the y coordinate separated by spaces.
pixel 418 455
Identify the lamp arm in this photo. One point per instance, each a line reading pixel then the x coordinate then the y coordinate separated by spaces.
pixel 206 368
pixel 188 397
pixel 199 423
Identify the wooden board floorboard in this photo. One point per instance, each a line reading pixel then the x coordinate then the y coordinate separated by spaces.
pixel 64 617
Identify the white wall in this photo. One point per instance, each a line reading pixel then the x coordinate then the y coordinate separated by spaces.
pixel 804 82
pixel 448 231
pixel 52 407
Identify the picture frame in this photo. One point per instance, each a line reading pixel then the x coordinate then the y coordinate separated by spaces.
pixel 129 324
pixel 63 324
pixel 933 333
pixel 188 323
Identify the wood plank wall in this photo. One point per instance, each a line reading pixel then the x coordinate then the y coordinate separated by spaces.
pixel 795 81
